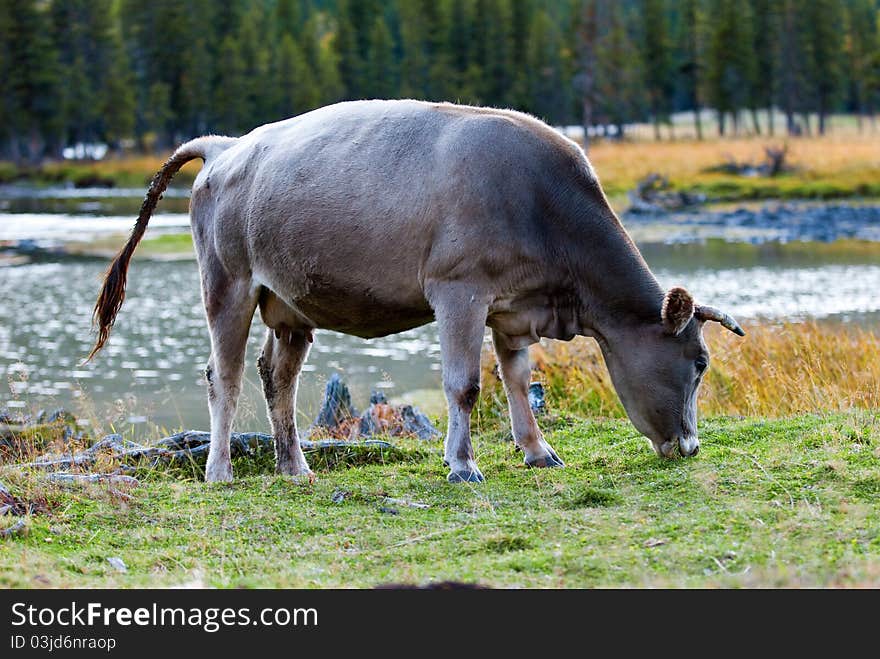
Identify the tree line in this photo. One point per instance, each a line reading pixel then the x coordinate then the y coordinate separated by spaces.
pixel 158 72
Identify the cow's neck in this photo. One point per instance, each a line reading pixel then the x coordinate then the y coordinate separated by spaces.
pixel 616 287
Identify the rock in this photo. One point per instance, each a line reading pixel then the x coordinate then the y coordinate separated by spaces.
pixel 61 415
pixel 19 528
pixel 118 564
pixel 418 424
pixel 339 418
pixel 536 398
pixel 336 407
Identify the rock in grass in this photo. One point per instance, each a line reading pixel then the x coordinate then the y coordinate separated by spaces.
pixel 336 407
pixel 19 528
pixel 536 398
pixel 338 418
pixel 118 564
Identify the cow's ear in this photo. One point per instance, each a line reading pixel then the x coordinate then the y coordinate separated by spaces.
pixel 677 310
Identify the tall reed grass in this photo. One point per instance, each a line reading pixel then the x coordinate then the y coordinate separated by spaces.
pixel 775 370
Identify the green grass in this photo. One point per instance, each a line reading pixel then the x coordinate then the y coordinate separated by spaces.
pixel 788 502
pixel 162 246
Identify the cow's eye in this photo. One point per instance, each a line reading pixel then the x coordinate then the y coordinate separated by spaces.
pixel 701 364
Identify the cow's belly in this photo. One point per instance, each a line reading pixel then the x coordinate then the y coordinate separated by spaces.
pixel 350 307
pixel 363 317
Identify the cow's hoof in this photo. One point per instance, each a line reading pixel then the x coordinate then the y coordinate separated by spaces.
pixel 218 474
pixel 465 476
pixel 550 460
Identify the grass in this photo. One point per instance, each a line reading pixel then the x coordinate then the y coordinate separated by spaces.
pixel 842 164
pixel 787 502
pixel 783 497
pixel 161 246
pixel 124 172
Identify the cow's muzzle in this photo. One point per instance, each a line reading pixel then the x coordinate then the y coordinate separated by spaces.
pixel 685 447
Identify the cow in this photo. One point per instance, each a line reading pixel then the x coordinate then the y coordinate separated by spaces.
pixel 374 217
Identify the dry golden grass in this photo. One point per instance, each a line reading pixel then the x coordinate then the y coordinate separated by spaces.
pixel 846 160
pixel 775 371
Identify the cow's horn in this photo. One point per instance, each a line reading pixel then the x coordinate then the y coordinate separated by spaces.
pixel 711 313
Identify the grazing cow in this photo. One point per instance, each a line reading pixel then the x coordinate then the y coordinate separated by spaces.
pixel 374 217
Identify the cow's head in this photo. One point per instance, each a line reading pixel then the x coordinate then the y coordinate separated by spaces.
pixel 657 368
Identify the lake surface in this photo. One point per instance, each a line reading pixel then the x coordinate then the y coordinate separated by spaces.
pixel 151 370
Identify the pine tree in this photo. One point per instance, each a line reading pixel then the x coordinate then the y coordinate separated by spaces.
pixel 656 60
pixel 81 34
pixel 459 40
pixel 230 93
pixel 795 53
pixel 498 71
pixel 766 40
pixel 159 114
pixel 824 19
pixel 255 61
pixel 586 77
pixel 118 97
pixel 330 85
pixel 414 63
pixel 381 73
pixel 546 86
pixel 31 82
pixel 522 12
pixel 347 54
pixel 287 18
pixel 730 63
pixel 440 78
pixel 6 106
pixel 618 74
pixel 863 53
pixel 691 40
pixel 294 82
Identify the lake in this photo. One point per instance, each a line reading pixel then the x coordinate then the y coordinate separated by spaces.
pixel 151 370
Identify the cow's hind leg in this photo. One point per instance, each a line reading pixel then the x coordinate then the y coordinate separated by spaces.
pixel 230 306
pixel 461 321
pixel 282 358
pixel 515 373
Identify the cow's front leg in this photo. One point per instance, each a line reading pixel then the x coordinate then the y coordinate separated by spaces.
pixel 515 373
pixel 461 320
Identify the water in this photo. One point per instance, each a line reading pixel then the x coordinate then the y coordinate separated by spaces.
pixel 151 371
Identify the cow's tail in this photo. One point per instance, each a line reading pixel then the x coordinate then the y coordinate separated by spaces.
pixel 113 292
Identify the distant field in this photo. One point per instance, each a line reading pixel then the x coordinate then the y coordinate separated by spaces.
pixel 829 167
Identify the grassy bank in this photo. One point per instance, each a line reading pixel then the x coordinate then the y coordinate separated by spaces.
pixel 125 172
pixel 785 501
pixel 836 166
pixel 788 502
